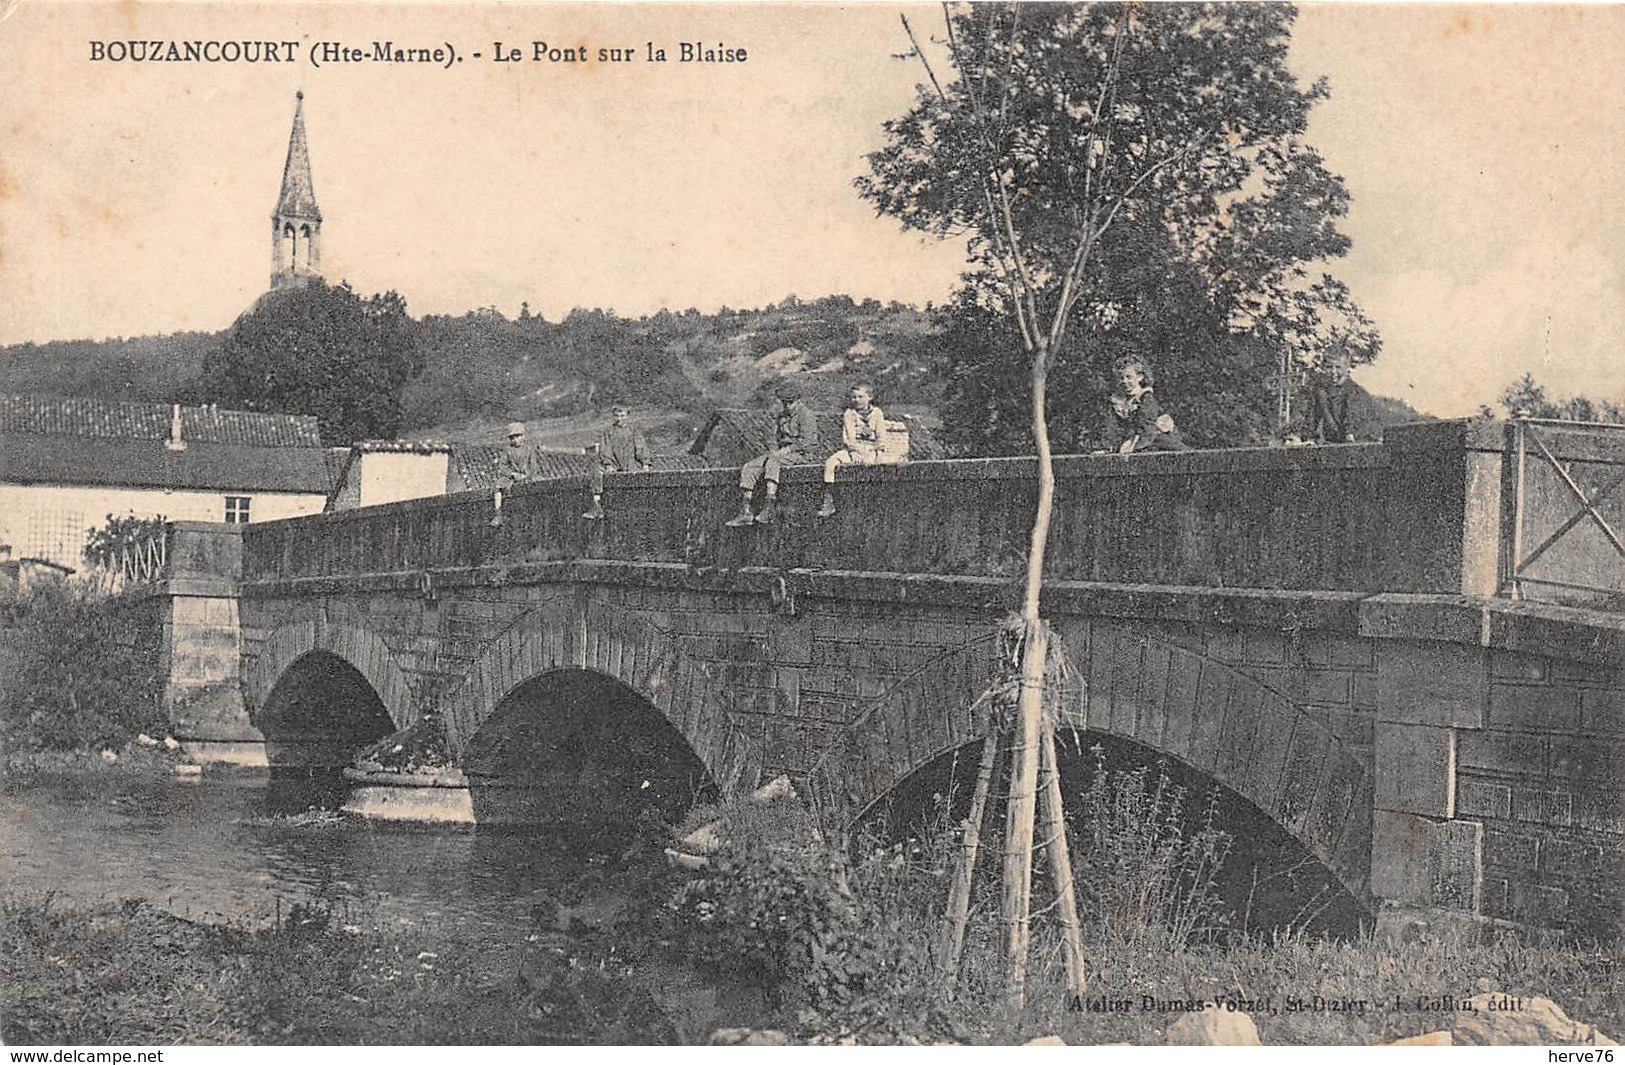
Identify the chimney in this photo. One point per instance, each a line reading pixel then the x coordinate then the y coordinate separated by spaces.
pixel 175 443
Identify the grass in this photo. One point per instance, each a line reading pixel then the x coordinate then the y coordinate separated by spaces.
pixel 1585 982
pixel 133 974
pixel 1154 933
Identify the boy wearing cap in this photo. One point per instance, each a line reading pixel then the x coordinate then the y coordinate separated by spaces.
pixel 621 449
pixel 518 462
pixel 796 440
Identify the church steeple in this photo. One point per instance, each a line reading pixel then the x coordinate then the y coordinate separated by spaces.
pixel 296 224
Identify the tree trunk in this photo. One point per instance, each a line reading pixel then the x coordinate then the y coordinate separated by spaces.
pixel 959 894
pixel 1060 864
pixel 1029 725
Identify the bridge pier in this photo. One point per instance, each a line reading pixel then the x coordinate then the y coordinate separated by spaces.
pixel 1423 856
pixel 200 650
pixel 442 798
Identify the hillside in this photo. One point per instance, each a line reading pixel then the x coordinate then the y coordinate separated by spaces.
pixel 150 369
pixel 675 368
pixel 482 369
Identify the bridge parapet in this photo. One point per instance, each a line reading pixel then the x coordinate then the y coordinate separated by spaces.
pixel 1420 512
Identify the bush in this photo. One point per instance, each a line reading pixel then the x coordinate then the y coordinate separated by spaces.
pixel 783 911
pixel 82 670
pixel 769 910
pixel 104 543
pixel 1143 870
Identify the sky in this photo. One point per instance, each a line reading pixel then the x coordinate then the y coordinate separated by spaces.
pixel 1482 147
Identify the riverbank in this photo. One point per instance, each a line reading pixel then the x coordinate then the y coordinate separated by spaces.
pixel 130 973
pixel 252 926
pixel 131 760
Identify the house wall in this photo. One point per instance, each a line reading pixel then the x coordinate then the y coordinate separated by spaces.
pixel 389 477
pixel 51 521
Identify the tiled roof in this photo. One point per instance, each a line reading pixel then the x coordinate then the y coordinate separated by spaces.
pixel 478 466
pixel 47 416
pixel 735 435
pixel 31 458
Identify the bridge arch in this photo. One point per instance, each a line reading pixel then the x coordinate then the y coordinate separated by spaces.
pixel 348 640
pixel 1165 698
pixel 599 638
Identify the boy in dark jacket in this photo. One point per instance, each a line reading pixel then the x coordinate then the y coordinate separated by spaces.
pixel 1329 404
pixel 795 441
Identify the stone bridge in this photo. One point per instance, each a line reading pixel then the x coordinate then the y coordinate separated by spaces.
pixel 1318 630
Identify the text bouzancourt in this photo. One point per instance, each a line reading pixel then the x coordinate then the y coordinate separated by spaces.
pixel 194 51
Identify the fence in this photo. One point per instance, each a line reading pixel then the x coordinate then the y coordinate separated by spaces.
pixel 1563 539
pixel 134 564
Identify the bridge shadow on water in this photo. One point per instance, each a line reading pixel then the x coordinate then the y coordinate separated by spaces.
pixel 567 751
pixel 1267 880
pixel 320 714
pixel 576 749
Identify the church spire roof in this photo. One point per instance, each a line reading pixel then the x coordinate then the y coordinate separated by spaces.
pixel 298 196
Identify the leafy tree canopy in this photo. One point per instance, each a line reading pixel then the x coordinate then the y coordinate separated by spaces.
pixel 1168 140
pixel 321 350
pixel 1529 395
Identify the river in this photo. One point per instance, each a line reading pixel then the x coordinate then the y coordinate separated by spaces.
pixel 234 847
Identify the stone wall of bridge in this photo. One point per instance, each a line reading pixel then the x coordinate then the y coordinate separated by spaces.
pixel 1433 747
pixel 1477 777
pixel 1544 777
pixel 801 659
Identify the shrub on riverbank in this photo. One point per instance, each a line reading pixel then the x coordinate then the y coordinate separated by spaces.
pixel 850 948
pixel 830 944
pixel 81 670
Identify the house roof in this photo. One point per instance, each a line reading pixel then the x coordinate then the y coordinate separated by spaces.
pixel 51 416
pixel 402 447
pixel 478 466
pixel 98 442
pixel 27 458
pixel 735 435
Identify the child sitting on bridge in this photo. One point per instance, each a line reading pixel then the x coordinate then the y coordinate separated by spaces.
pixel 517 462
pixel 1137 422
pixel 863 431
pixel 795 441
pixel 1329 402
pixel 621 449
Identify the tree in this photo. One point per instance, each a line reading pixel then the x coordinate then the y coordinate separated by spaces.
pixel 1067 144
pixel 1527 394
pixel 1208 268
pixel 320 350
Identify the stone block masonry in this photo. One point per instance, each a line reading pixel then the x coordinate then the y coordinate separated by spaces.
pixel 1546 777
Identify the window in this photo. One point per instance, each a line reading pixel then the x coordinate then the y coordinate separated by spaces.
pixel 236 510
